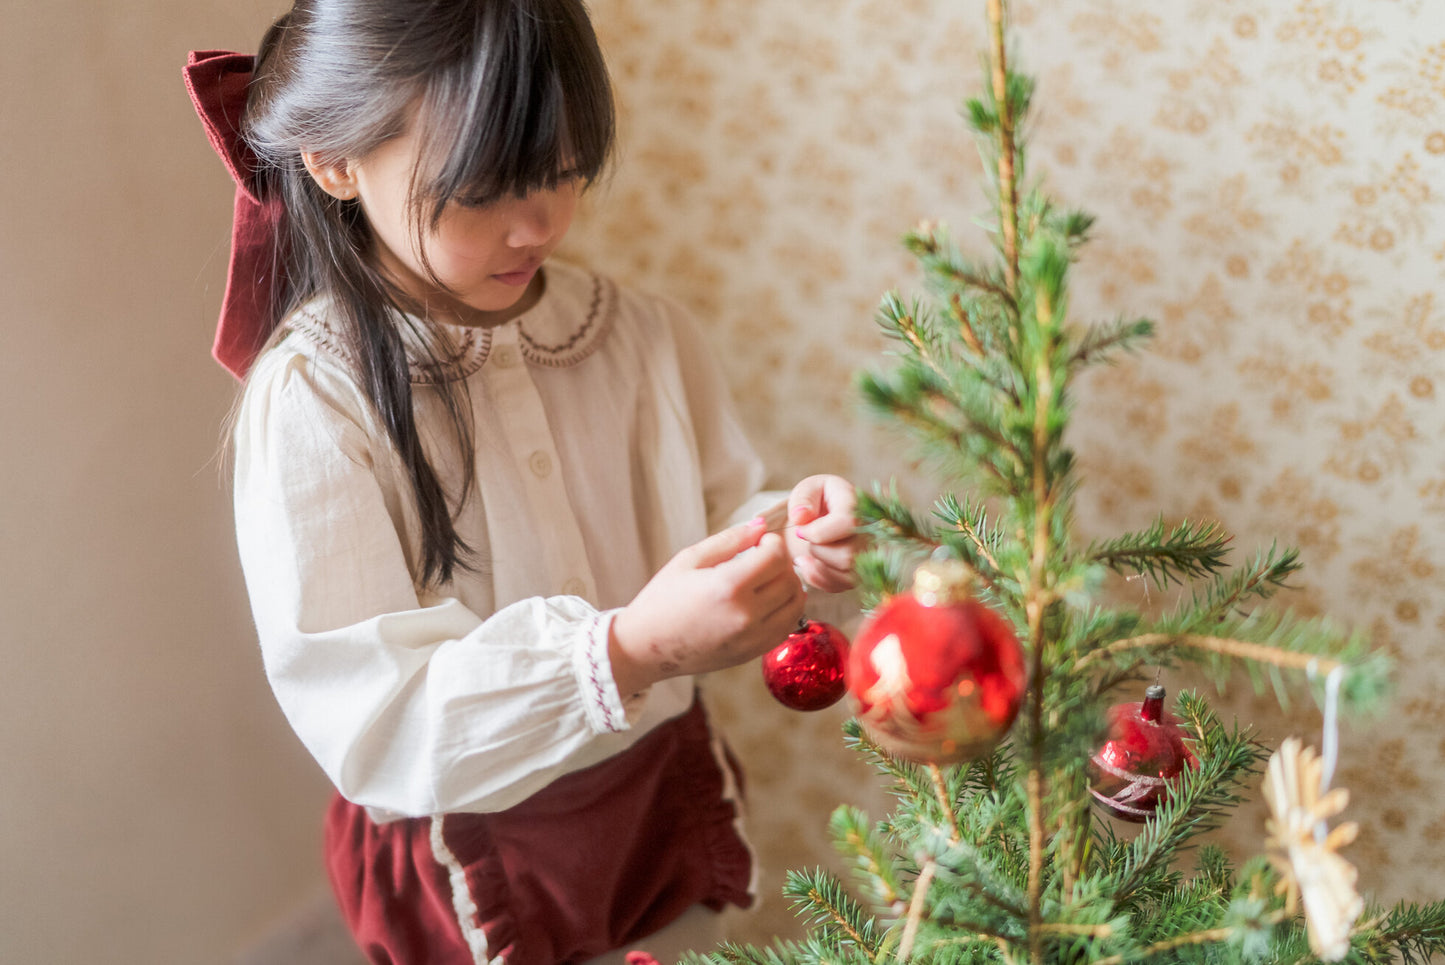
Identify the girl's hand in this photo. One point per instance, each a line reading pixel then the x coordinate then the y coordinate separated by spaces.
pixel 716 604
pixel 824 539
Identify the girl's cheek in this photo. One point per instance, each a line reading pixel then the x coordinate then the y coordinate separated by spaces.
pixel 460 244
pixel 468 235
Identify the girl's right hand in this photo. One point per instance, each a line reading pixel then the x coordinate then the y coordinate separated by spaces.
pixel 718 603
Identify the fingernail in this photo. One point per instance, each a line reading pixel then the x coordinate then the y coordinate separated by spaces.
pixel 757 522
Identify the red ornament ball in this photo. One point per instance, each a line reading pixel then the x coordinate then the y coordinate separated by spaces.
pixel 1130 775
pixel 807 670
pixel 937 676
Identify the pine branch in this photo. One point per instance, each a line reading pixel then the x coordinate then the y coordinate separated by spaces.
pixel 1166 555
pixel 1006 104
pixel 967 326
pixel 886 518
pixel 981 543
pixel 1170 945
pixel 1215 871
pixel 1267 643
pixel 1101 342
pixel 940 791
pixel 909 779
pixel 931 344
pixel 856 838
pixel 881 570
pixel 1257 580
pixel 915 911
pixel 947 268
pixel 916 399
pixel 821 898
pixel 733 953
pixel 969 865
pixel 810 952
pixel 1415 931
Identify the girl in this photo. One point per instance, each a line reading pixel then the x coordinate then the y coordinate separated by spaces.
pixel 474 489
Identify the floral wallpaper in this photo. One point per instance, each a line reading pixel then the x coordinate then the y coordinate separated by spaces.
pixel 1269 179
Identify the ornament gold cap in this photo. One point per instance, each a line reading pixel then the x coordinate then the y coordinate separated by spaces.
pixel 943 582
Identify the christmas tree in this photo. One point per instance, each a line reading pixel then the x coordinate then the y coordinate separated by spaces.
pixel 1006 843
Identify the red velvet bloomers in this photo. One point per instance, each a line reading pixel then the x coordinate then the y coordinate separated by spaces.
pixel 596 861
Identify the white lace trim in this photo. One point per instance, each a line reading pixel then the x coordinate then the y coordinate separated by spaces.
pixel 463 905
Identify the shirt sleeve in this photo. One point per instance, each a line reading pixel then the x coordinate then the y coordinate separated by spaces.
pixel 410 707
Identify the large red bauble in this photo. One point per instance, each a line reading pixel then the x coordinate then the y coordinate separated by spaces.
pixel 1130 775
pixel 937 676
pixel 807 670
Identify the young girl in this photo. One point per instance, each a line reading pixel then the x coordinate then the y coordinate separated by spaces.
pixel 475 487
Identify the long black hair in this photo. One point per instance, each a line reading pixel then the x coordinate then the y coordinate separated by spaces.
pixel 506 97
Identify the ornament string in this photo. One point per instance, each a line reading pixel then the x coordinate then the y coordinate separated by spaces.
pixel 775 519
pixel 1141 579
pixel 1330 738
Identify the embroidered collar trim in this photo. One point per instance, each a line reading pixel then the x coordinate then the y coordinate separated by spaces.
pixel 567 325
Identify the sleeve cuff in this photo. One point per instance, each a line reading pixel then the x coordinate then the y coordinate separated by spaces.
pixel 607 712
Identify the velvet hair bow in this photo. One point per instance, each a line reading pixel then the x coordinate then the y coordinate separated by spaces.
pixel 217 81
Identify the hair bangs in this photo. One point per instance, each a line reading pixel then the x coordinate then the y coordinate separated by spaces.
pixel 524 108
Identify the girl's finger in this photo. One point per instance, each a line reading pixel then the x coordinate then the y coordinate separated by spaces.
pixel 723 546
pixel 826 578
pixel 758 565
pixel 782 618
pixel 835 527
pixel 838 556
pixel 778 591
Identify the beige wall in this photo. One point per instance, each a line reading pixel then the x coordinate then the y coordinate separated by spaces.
pixel 153 806
pixel 1268 177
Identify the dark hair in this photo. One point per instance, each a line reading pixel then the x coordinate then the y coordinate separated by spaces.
pixel 508 97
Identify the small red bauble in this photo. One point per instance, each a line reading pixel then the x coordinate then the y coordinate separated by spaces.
pixel 807 670
pixel 938 677
pixel 1130 774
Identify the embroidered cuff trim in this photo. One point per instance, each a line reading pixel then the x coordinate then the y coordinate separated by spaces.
pixel 606 712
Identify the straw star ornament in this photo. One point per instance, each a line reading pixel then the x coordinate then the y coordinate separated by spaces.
pixel 1305 853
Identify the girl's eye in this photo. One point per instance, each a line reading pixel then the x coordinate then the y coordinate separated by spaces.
pixel 477 202
pixel 563 178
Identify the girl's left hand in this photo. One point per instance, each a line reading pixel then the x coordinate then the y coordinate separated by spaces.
pixel 823 532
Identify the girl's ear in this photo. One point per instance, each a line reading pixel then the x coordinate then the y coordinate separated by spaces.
pixel 337 178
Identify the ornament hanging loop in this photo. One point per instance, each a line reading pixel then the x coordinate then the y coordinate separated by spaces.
pixel 1330 736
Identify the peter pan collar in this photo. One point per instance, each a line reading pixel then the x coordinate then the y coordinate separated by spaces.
pixel 568 323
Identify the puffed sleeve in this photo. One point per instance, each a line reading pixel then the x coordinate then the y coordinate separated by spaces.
pixel 411 709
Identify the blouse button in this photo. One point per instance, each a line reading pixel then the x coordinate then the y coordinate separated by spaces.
pixel 541 464
pixel 506 356
pixel 575 587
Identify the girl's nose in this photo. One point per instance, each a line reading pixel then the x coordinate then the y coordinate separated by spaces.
pixel 534 221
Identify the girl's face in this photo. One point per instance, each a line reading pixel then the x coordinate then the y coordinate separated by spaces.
pixel 485 256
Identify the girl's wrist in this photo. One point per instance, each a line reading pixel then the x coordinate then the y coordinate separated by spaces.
pixel 631 676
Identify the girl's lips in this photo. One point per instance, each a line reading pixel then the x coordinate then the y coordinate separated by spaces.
pixel 516 278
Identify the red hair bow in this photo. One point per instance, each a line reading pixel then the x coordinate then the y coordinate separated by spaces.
pixel 217 81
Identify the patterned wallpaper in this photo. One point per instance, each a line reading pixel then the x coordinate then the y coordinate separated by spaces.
pixel 1268 180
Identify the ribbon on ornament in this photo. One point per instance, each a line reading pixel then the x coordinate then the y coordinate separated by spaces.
pixel 218 81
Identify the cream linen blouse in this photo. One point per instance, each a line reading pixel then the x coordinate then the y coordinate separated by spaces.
pixel 605 442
